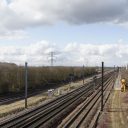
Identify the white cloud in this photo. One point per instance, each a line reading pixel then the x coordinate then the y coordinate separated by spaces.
pixel 20 14
pixel 35 54
pixel 71 54
pixel 72 11
pixel 12 35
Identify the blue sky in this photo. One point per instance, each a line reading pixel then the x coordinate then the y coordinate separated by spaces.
pixel 64 26
pixel 64 33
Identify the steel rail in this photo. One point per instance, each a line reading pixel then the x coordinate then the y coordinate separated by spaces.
pixel 13 122
pixel 88 106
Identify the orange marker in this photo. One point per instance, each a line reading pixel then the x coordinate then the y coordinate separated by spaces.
pixel 123 84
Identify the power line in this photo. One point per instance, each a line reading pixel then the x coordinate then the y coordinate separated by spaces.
pixel 52 57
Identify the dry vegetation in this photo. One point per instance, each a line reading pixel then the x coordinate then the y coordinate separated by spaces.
pixel 18 106
pixel 15 107
pixel 12 76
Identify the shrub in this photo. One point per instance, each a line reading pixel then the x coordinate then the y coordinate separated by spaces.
pixel 12 77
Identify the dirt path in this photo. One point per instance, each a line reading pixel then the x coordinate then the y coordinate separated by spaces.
pixel 119 111
pixel 115 114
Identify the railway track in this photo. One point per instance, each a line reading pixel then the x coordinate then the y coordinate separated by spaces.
pixel 83 117
pixel 16 97
pixel 47 115
pixel 11 98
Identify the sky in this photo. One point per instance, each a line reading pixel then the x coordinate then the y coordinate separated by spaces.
pixel 77 31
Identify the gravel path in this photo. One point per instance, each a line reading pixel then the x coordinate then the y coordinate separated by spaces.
pixel 115 114
pixel 118 83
